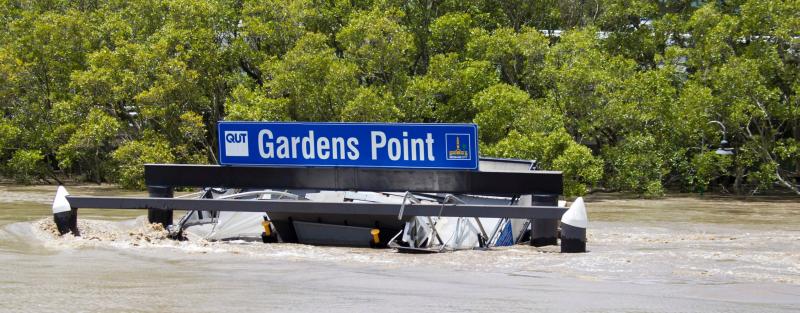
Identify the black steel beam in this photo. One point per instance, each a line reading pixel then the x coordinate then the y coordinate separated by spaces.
pixel 313 207
pixel 360 179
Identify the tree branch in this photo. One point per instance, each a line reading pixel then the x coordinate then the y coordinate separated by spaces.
pixel 251 72
pixel 786 183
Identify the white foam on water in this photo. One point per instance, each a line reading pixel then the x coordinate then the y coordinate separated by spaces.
pixel 616 252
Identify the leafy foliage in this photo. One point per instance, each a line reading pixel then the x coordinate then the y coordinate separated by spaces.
pixel 621 95
pixel 26 165
pixel 132 155
pixel 370 105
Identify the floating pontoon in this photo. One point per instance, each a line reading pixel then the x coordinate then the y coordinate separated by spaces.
pixel 412 210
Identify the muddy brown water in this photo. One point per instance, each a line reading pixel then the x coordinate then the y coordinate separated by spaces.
pixel 677 254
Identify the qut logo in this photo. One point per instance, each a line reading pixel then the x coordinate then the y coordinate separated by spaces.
pixel 236 143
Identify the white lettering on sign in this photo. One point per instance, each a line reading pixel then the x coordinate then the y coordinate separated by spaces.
pixel 309 147
pixel 268 154
pixel 405 148
pixel 312 147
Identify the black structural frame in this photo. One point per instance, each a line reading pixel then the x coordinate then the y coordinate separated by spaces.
pixel 314 207
pixel 360 179
pixel 161 179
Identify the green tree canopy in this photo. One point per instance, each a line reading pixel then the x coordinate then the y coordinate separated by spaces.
pixel 634 96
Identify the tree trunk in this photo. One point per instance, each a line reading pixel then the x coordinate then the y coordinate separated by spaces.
pixel 97 167
pixel 797 138
pixel 737 183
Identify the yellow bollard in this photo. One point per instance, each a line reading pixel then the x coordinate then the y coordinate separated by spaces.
pixel 375 232
pixel 267 229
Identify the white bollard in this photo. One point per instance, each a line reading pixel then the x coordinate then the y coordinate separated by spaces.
pixel 65 217
pixel 573 228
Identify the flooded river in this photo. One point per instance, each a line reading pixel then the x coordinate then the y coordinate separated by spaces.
pixel 679 254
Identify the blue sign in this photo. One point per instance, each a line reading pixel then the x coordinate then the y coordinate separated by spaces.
pixel 431 146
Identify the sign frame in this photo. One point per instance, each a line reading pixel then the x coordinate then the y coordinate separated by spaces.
pixel 466 129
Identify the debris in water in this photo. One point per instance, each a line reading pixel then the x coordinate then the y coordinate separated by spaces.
pixel 143 232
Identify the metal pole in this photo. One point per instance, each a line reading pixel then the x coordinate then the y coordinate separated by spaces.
pixel 163 217
pixel 544 232
pixel 299 207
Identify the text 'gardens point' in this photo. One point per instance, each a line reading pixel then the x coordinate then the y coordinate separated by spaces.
pixel 311 147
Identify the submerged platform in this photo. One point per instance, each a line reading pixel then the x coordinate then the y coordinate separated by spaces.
pixel 503 197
